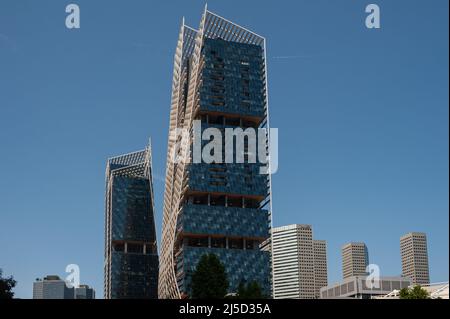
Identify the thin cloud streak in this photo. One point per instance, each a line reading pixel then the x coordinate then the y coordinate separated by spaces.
pixel 284 57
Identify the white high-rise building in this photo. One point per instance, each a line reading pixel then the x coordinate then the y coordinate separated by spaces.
pixel 414 253
pixel 299 263
pixel 355 259
pixel 52 287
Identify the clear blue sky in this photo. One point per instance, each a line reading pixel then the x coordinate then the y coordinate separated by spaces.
pixel 362 117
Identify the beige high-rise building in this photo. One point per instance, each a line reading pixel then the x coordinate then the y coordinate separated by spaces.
pixel 299 263
pixel 320 266
pixel 355 259
pixel 414 253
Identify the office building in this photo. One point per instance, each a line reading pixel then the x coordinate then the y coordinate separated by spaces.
pixel 299 263
pixel 320 266
pixel 355 259
pixel 219 81
pixel 414 254
pixel 84 292
pixel 131 258
pixel 52 287
pixel 362 287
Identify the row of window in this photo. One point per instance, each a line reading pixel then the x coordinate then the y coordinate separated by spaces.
pixel 222 242
pixel 227 121
pixel 223 200
pixel 134 248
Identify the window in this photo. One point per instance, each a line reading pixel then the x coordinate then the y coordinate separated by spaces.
pixel 233 121
pixel 245 103
pixel 217 169
pixel 217 183
pixel 250 244
pixel 150 249
pixel 251 203
pixel 199 199
pixel 218 242
pixel 219 177
pixel 197 241
pixel 216 120
pixel 235 243
pixel 135 248
pixel 234 201
pixel 119 247
pixel 217 200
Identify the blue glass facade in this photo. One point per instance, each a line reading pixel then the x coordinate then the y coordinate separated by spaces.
pixel 134 276
pixel 240 265
pixel 226 221
pixel 233 78
pixel 227 178
pixel 222 211
pixel 132 210
pixel 131 265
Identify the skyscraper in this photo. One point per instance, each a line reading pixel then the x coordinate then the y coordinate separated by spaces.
pixel 219 80
pixel 52 287
pixel 414 253
pixel 320 266
pixel 131 258
pixel 299 263
pixel 355 259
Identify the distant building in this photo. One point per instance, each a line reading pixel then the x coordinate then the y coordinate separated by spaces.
pixel 84 292
pixel 414 253
pixel 131 257
pixel 355 259
pixel 320 266
pixel 357 287
pixel 299 263
pixel 52 287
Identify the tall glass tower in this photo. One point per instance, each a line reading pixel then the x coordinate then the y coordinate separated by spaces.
pixel 219 80
pixel 131 257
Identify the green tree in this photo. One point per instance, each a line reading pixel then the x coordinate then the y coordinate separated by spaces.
pixel 209 280
pixel 416 292
pixel 6 286
pixel 250 291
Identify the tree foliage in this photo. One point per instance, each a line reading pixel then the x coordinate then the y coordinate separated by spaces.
pixel 416 292
pixel 209 280
pixel 250 291
pixel 6 286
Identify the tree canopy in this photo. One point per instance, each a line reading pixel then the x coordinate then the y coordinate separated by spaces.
pixel 416 292
pixel 6 286
pixel 209 280
pixel 252 290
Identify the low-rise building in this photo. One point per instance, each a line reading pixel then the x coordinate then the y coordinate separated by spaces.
pixel 361 287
